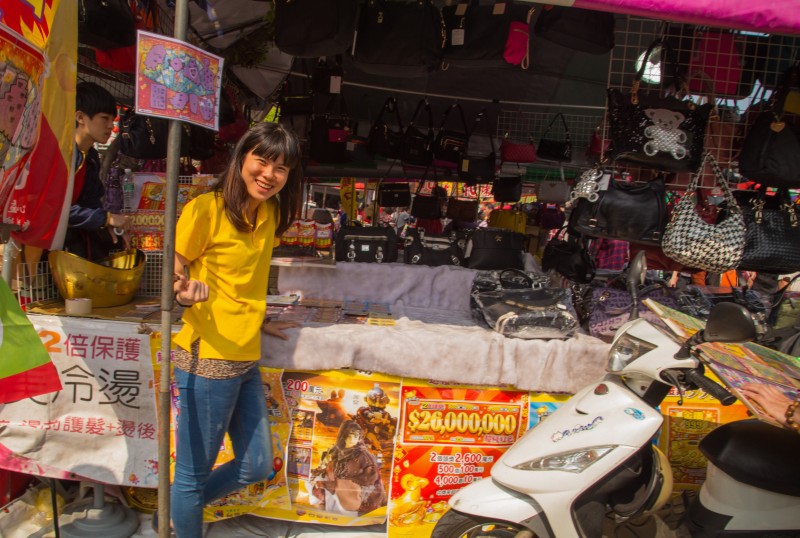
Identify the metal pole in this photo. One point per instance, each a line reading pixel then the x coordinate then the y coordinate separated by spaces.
pixel 168 269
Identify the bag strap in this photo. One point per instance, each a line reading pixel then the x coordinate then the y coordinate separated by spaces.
pixel 390 105
pixel 667 53
pixel 446 114
pixel 422 105
pixel 563 122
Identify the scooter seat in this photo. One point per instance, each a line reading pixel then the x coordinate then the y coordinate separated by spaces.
pixel 756 453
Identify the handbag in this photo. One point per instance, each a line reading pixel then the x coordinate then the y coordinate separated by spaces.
pixel 771 150
pixel 314 28
pixel 462 209
pixel 416 146
pixel 399 39
pixel 611 307
pixel 383 140
pixel 450 143
pixel 476 34
pixel 629 211
pixel 579 29
pixel 569 257
pixel 772 239
pixel 394 195
pixel 426 206
pixel 689 239
pixel 421 248
pixel 478 168
pixel 507 189
pixel 517 49
pixel 329 133
pixel 494 248
pixel 554 192
pixel 106 24
pixel 556 150
pixel 516 152
pixel 508 219
pixel 366 244
pixel 143 137
pixel 528 313
pixel 664 133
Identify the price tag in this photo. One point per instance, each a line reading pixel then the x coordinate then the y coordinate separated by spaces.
pixel 336 84
pixel 457 37
pixel 499 8
pixel 461 9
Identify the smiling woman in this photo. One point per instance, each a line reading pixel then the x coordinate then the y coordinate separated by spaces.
pixel 224 239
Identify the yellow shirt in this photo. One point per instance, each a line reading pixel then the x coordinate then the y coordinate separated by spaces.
pixel 235 265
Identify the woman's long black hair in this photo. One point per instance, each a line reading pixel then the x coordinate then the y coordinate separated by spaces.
pixel 270 141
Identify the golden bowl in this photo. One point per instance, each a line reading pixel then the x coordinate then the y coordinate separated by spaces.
pixel 112 281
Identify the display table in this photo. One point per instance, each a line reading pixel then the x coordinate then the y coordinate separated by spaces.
pixel 434 338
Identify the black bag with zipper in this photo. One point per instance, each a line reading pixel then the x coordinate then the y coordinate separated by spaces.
pixel 366 244
pixel 385 139
pixel 416 146
pixel 421 248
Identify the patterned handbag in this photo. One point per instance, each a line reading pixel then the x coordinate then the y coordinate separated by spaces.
pixel 695 243
pixel 772 243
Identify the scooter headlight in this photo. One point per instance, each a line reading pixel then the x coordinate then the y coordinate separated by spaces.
pixel 625 350
pixel 571 462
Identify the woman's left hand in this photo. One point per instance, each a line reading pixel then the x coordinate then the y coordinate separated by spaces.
pixel 275 328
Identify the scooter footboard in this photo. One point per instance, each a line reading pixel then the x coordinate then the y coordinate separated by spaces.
pixel 487 498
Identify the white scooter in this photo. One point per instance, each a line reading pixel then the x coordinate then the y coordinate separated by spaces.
pixel 594 456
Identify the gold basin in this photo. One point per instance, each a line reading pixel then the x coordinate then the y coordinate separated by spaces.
pixel 112 281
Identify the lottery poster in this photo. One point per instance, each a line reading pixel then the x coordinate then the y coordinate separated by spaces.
pixel 449 437
pixel 177 81
pixel 339 451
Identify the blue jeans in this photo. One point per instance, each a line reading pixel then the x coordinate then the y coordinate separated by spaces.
pixel 208 409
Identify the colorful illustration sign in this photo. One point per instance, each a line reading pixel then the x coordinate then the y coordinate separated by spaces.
pixel 450 437
pixel 177 81
pixel 38 58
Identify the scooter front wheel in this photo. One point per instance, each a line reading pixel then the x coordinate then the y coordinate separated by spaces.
pixel 458 525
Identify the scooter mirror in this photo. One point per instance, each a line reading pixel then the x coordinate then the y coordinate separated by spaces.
pixel 729 322
pixel 637 271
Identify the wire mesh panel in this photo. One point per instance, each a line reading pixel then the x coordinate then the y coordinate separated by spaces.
pixel 34 282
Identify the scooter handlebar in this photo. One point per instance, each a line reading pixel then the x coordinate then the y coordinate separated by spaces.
pixel 714 389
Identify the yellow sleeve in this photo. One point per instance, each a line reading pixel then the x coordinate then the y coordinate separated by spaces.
pixel 193 230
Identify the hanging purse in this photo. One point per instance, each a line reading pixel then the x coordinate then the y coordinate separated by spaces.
pixel 695 243
pixel 507 189
pixel 383 139
pixel 143 137
pixel 330 132
pixel 450 142
pixel 399 39
pixel 517 152
pixel 517 49
pixel 664 133
pixel 426 206
pixel 478 168
pixel 493 248
pixel 555 150
pixel 314 28
pixel 772 240
pixel 629 211
pixel 585 30
pixel 569 257
pixel 771 150
pixel 421 248
pixel 394 194
pixel 416 146
pixel 462 209
pixel 553 192
pixel 105 24
pixel 366 244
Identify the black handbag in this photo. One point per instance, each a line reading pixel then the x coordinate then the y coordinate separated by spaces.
pixel 665 133
pixel 771 150
pixel 528 313
pixel 416 146
pixel 507 189
pixel 450 142
pixel 399 39
pixel 421 248
pixel 772 239
pixel 462 209
pixel 106 24
pixel 426 206
pixel 569 257
pixel 315 28
pixel 551 149
pixel 478 168
pixel 495 248
pixel 394 195
pixel 329 133
pixel 143 137
pixel 366 244
pixel 383 139
pixel 585 30
pixel 476 33
pixel 632 212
